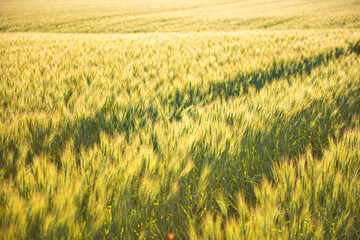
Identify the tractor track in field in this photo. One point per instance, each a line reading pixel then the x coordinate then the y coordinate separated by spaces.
pixel 85 130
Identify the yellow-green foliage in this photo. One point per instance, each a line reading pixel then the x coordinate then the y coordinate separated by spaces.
pixel 96 16
pixel 210 135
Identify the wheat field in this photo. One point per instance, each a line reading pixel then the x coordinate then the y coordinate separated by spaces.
pixel 163 119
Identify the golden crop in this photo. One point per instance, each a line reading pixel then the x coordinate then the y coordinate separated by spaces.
pixel 218 120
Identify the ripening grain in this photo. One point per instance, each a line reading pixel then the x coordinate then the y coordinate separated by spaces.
pixel 193 128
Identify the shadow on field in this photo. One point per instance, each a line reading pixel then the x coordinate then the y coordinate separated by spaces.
pixel 49 137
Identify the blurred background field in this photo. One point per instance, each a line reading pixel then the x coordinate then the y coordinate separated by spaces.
pixel 108 16
pixel 179 119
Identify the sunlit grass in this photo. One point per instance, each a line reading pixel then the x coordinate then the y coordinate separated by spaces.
pixel 210 135
pixel 95 16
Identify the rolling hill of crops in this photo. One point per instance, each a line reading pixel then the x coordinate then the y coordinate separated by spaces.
pixel 164 119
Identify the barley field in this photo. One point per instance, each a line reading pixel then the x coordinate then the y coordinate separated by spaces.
pixel 164 119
